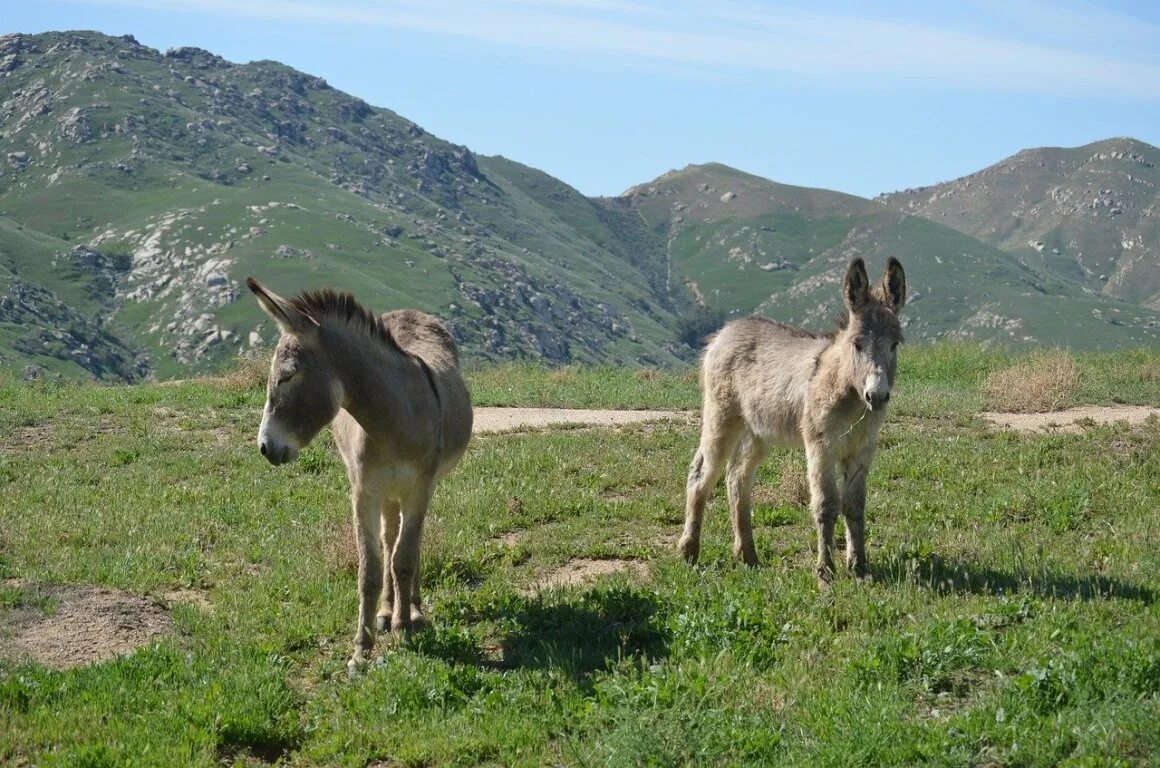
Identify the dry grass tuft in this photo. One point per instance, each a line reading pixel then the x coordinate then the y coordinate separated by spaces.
pixel 251 371
pixel 646 374
pixel 565 375
pixel 1148 372
pixel 791 489
pixel 339 548
pixel 1044 383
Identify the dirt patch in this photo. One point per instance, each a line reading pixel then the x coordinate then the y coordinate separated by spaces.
pixel 1070 420
pixel 586 570
pixel 492 420
pixel 27 438
pixel 90 624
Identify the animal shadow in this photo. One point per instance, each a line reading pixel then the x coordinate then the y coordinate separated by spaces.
pixel 577 634
pixel 947 576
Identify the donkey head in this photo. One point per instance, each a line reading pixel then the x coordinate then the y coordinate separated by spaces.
pixel 303 393
pixel 872 334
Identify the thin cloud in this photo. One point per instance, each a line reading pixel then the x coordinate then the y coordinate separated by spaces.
pixel 1077 55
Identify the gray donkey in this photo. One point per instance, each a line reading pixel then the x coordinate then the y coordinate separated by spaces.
pixel 401 420
pixel 763 382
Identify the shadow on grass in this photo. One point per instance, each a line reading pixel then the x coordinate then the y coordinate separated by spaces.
pixel 579 634
pixel 250 749
pixel 944 576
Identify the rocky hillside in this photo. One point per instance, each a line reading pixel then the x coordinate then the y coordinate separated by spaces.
pixel 1089 214
pixel 179 173
pixel 139 188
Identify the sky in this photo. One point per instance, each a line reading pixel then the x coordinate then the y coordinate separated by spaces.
pixel 604 94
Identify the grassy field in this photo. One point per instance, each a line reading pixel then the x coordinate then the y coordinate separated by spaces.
pixel 1012 620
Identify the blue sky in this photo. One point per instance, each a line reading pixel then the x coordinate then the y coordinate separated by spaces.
pixel 855 96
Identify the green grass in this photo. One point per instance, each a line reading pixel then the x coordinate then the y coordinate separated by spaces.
pixel 1013 619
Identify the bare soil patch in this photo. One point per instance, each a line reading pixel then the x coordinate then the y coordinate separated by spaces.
pixel 580 571
pixel 1070 420
pixel 89 625
pixel 492 420
pixel 26 438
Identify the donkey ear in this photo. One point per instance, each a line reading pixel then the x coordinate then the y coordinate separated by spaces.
pixel 892 290
pixel 856 289
pixel 288 317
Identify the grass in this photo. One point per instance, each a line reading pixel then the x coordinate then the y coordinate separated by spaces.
pixel 1013 619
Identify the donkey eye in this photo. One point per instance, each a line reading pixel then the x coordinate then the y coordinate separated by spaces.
pixel 894 347
pixel 284 378
pixel 858 345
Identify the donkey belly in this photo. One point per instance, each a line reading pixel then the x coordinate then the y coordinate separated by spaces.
pixel 774 415
pixel 778 428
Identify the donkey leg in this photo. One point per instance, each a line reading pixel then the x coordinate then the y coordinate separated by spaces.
pixel 739 483
pixel 824 503
pixel 389 535
pixel 417 619
pixel 854 510
pixel 368 504
pixel 405 559
pixel 717 444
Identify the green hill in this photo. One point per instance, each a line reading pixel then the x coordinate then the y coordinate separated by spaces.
pixel 739 243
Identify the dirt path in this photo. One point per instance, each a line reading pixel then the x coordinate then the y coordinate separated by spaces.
pixel 490 420
pixel 1071 419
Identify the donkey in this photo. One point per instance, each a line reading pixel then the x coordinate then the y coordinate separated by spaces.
pixel 763 382
pixel 401 418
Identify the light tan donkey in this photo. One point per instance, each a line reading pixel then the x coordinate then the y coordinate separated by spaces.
pixel 401 417
pixel 765 383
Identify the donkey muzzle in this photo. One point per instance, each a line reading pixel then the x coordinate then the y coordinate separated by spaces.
pixel 876 393
pixel 273 444
pixel 277 454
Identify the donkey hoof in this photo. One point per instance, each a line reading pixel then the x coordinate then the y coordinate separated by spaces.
pixel 356 664
pixel 747 556
pixel 418 620
pixel 690 549
pixel 383 623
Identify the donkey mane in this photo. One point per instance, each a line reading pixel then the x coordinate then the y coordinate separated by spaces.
pixel 342 306
pixel 793 330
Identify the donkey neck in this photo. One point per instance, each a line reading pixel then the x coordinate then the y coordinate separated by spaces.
pixel 382 386
pixel 832 381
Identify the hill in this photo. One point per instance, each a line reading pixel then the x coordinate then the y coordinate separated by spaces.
pixel 183 173
pixel 740 243
pixel 139 188
pixel 1087 214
